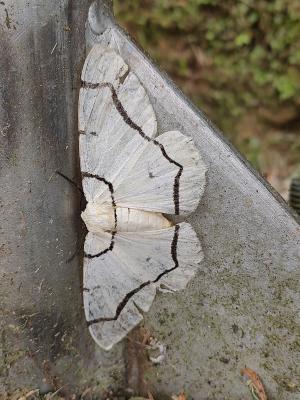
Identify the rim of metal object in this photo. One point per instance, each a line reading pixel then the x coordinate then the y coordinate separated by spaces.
pixel 294 195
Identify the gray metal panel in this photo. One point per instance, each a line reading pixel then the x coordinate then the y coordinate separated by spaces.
pixel 243 307
pixel 43 333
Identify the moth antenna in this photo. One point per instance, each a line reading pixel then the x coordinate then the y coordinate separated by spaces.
pixel 70 181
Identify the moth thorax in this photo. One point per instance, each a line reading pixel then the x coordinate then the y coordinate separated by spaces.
pixel 99 218
pixel 131 220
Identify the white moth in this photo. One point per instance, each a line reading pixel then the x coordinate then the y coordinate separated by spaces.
pixel 130 179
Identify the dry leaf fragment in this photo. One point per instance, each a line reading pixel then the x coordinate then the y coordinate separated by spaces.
pixel 255 384
pixel 150 396
pixel 30 394
pixel 181 396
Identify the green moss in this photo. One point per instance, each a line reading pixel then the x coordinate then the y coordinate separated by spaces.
pixel 229 57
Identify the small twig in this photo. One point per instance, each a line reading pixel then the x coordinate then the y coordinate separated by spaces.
pixel 53 394
pixel 54 47
pixel 50 177
pixel 88 390
pixel 29 394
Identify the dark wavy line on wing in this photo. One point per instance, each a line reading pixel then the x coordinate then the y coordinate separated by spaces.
pixel 133 125
pixel 113 203
pixel 129 295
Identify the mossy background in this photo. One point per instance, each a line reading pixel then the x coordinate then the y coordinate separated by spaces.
pixel 239 61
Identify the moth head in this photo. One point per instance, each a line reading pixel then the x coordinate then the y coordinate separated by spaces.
pixel 98 218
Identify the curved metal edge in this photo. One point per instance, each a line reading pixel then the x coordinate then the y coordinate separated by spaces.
pixel 100 18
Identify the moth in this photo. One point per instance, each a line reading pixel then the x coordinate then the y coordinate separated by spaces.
pixel 131 180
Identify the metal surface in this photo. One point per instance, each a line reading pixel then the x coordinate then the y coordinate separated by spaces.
pixel 242 308
pixel 44 340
